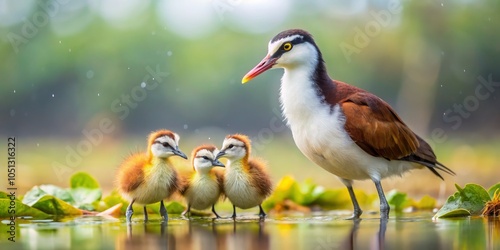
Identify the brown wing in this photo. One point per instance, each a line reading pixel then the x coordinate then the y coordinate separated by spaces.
pixel 130 174
pixel 376 128
pixel 261 178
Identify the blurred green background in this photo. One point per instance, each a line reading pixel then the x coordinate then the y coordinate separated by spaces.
pixel 84 82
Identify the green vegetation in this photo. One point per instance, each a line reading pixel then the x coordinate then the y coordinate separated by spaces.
pixel 84 196
pixel 470 200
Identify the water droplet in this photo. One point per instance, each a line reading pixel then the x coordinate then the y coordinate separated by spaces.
pixel 169 53
pixel 90 74
pixel 185 126
pixel 12 112
pixel 98 94
pixel 128 68
pixel 143 84
pixel 441 85
pixel 442 4
pixel 38 144
pixel 14 91
pixel 53 95
pixel 59 41
pixel 209 138
pixel 153 78
pixel 464 70
pixel 69 50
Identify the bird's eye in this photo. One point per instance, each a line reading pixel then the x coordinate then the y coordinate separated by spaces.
pixel 287 46
pixel 165 145
pixel 230 146
pixel 205 158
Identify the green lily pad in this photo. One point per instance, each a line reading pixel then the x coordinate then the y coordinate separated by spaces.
pixel 53 205
pixel 467 201
pixel 397 200
pixel 426 202
pixel 83 180
pixel 84 197
pixel 20 210
pixel 493 189
pixel 38 191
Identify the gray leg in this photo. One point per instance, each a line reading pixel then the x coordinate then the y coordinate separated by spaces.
pixel 262 214
pixel 213 211
pixel 234 213
pixel 163 211
pixel 384 205
pixel 187 211
pixel 130 211
pixel 357 210
pixel 145 214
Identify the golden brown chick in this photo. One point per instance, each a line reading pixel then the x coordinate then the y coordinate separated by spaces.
pixel 246 181
pixel 149 177
pixel 205 185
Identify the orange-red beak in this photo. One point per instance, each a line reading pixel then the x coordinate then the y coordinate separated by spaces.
pixel 264 65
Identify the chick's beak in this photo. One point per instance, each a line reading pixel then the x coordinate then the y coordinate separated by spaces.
pixel 177 152
pixel 266 63
pixel 219 155
pixel 217 163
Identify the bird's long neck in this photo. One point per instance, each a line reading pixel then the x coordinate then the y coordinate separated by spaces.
pixel 304 89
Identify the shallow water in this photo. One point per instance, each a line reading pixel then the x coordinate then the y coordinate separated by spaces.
pixel 316 231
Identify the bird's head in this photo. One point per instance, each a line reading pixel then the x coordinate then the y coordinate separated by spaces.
pixel 164 143
pixel 289 49
pixel 204 158
pixel 235 147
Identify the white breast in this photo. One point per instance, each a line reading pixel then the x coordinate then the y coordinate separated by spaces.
pixel 239 189
pixel 203 192
pixel 318 131
pixel 157 186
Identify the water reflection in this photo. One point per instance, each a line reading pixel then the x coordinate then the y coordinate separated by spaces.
pixel 196 234
pixel 321 231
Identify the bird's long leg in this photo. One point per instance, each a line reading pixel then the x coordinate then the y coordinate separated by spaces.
pixel 130 211
pixel 262 214
pixel 145 214
pixel 234 213
pixel 384 205
pixel 213 211
pixel 187 211
pixel 357 210
pixel 163 211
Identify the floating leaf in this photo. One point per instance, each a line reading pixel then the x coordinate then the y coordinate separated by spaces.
pixel 38 191
pixel 83 180
pixel 175 207
pixel 52 205
pixel 397 200
pixel 281 192
pixel 467 201
pixel 426 202
pixel 84 197
pixel 493 189
pixel 20 210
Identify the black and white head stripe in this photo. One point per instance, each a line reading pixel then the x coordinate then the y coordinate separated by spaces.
pixel 293 36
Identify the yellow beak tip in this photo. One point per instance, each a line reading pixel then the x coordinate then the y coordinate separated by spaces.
pixel 245 80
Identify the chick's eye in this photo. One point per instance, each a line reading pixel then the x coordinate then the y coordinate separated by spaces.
pixel 287 46
pixel 230 146
pixel 205 158
pixel 165 145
